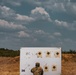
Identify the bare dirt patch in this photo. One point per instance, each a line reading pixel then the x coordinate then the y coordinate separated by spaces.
pixel 10 65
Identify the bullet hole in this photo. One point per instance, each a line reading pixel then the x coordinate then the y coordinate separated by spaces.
pixel 54 68
pixel 47 54
pixel 57 54
pixel 39 54
pixel 46 69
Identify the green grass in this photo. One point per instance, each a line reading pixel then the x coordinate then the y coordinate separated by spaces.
pixel 9 53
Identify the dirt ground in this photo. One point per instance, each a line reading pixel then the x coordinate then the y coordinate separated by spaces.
pixel 69 64
pixel 10 65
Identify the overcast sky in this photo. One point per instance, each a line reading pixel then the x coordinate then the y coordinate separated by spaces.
pixel 38 23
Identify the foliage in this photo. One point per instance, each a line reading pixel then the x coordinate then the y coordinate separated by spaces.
pixel 69 52
pixel 12 53
pixel 9 53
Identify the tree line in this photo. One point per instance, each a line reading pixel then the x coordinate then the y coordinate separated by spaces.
pixel 9 52
pixel 69 52
pixel 12 53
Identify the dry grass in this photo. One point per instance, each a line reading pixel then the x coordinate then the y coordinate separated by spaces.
pixel 10 65
pixel 69 64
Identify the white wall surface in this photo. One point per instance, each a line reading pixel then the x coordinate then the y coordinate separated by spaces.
pixel 29 56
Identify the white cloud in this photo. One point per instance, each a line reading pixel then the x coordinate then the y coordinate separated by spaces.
pixel 23 34
pixel 51 37
pixel 15 3
pixel 39 10
pixel 54 5
pixel 4 8
pixel 36 14
pixel 24 18
pixel 40 32
pixel 6 11
pixel 9 14
pixel 12 2
pixel 68 25
pixel 40 13
pixel 72 25
pixel 57 34
pixel 58 7
pixel 61 23
pixel 67 6
pixel 6 24
pixel 71 8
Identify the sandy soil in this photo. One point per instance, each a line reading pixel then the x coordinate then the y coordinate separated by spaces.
pixel 69 64
pixel 10 65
